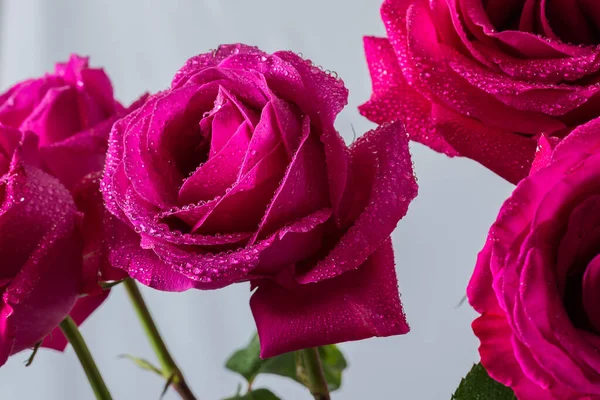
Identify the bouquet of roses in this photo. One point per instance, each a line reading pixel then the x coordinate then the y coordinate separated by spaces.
pixel 235 173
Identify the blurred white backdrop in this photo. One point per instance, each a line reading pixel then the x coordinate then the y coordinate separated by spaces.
pixel 141 43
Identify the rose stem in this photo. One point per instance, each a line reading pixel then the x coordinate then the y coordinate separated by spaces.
pixel 71 332
pixel 314 374
pixel 169 368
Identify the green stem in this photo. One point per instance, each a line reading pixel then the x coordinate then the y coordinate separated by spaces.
pixel 69 328
pixel 314 374
pixel 169 368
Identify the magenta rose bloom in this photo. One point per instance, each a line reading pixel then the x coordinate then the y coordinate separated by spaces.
pixel 41 272
pixel 484 78
pixel 71 112
pixel 236 173
pixel 537 280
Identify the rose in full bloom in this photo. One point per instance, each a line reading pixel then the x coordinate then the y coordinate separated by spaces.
pixel 236 173
pixel 484 78
pixel 41 271
pixel 537 280
pixel 70 112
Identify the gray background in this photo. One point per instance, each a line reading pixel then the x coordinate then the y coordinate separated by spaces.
pixel 141 44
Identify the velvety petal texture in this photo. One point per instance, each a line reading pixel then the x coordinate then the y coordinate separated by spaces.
pixel 483 78
pixel 536 280
pixel 236 173
pixel 53 139
pixel 40 246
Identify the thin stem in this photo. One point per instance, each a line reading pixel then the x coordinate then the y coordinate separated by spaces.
pixel 69 328
pixel 169 368
pixel 314 374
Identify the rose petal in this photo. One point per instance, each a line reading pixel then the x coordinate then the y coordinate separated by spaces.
pixel 507 154
pixel 141 264
pixel 56 117
pixel 498 358
pixel 356 305
pixel 393 99
pixel 85 150
pixel 303 189
pixel 219 173
pixel 379 151
pixel 84 307
pixel 7 334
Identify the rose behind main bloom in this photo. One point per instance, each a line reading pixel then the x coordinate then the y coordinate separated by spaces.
pixel 236 173
pixel 53 133
pixel 484 78
pixel 537 280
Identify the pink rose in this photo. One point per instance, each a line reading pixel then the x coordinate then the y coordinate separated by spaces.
pixel 484 78
pixel 236 173
pixel 40 248
pixel 71 112
pixel 537 280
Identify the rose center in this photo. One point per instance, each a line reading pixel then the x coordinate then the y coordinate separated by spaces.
pixel 566 20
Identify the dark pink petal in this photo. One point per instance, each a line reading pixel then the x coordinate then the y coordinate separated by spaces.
pixel 543 152
pixel 479 292
pixel 24 98
pixel 294 243
pixel 141 264
pixel 583 140
pixel 267 135
pixel 356 305
pixel 226 120
pixel 97 85
pixel 84 307
pixel 451 90
pixel 212 59
pixel 507 154
pixel 214 269
pixel 289 121
pixel 323 97
pixel 56 117
pixel 46 288
pixel 220 172
pixel 7 334
pixel 303 189
pixel 254 190
pixel 497 356
pixel 79 155
pixel 379 151
pixel 591 283
pixel 393 99
pixel 96 266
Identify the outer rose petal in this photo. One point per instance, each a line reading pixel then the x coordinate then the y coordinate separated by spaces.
pixel 505 153
pixel 379 151
pixel 81 154
pixel 394 99
pixel 84 307
pixel 7 335
pixel 139 263
pixel 498 358
pixel 356 305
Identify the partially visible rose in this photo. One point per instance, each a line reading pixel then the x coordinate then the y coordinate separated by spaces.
pixel 236 173
pixel 40 247
pixel 484 78
pixel 537 280
pixel 71 111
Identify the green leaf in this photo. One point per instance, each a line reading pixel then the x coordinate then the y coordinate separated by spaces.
pixel 478 385
pixel 334 364
pixel 143 364
pixel 258 394
pixel 33 353
pixel 247 362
